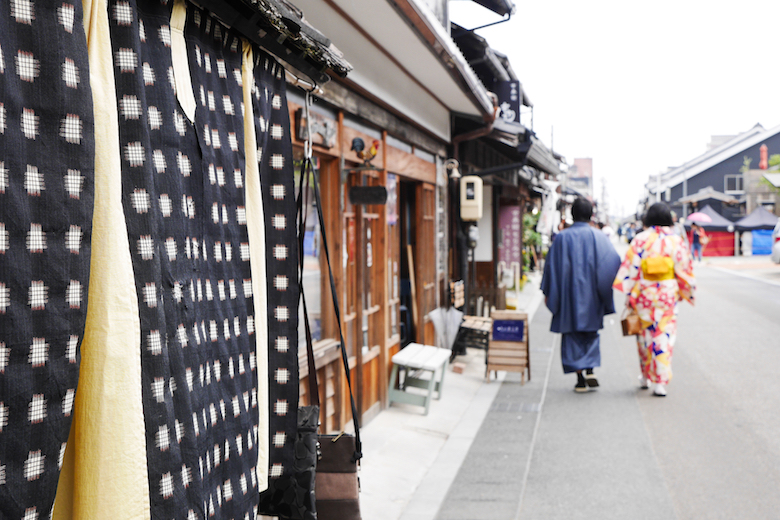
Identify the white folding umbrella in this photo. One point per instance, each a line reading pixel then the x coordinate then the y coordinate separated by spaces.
pixel 446 322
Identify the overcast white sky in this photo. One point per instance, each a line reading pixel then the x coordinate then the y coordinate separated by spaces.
pixel 639 87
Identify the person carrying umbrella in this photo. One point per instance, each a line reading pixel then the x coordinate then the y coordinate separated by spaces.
pixel 699 240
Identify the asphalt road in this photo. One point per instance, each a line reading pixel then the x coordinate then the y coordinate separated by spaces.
pixel 717 435
pixel 710 450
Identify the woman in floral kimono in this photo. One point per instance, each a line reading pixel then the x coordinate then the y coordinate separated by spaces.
pixel 656 274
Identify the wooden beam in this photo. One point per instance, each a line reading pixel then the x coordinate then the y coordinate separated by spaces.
pixel 346 99
pixel 409 165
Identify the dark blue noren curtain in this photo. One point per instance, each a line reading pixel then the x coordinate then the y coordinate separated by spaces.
pixel 184 202
pixel 46 202
pixel 272 124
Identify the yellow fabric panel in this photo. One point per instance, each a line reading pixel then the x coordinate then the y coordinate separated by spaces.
pixel 255 223
pixel 658 268
pixel 104 473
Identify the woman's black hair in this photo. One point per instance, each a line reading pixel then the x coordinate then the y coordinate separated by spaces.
pixel 581 210
pixel 659 214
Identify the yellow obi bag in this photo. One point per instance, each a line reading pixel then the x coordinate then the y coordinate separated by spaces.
pixel 658 268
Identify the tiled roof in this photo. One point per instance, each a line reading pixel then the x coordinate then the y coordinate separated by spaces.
pixel 280 28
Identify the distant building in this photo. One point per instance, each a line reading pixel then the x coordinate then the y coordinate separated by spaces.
pixel 718 140
pixel 720 177
pixel 580 177
pixel 760 192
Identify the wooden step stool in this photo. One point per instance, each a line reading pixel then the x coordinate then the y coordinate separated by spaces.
pixel 418 358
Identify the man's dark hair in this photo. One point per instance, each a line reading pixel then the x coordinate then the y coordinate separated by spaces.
pixel 581 210
pixel 659 214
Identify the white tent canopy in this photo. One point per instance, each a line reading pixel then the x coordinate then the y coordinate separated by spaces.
pixel 708 193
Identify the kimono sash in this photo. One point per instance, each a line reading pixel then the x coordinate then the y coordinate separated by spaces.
pixel 658 268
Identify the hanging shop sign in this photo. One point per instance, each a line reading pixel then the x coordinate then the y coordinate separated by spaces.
pixel 509 95
pixel 510 248
pixel 366 195
pixel 508 330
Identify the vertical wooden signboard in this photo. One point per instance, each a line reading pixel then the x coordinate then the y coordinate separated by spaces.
pixel 508 347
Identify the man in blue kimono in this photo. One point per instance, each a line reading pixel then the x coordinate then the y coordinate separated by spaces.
pixel 577 283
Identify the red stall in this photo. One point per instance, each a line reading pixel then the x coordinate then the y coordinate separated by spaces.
pixel 720 232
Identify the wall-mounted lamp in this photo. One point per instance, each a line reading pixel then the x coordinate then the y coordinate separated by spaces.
pixel 452 166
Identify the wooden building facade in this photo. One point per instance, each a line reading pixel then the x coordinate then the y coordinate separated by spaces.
pixel 390 261
pixel 384 257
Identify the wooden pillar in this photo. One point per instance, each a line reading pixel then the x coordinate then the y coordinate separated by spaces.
pixel 360 261
pixel 424 256
pixel 381 282
pixel 344 410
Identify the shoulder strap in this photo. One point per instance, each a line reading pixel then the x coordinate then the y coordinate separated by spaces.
pixel 309 167
pixel 314 394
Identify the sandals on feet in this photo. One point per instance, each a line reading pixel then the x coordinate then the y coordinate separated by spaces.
pixel 659 390
pixel 582 385
pixel 590 379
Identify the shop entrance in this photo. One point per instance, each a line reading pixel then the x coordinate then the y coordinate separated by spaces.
pixel 418 261
pixel 406 250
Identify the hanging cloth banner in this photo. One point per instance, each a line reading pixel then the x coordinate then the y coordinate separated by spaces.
pixel 183 199
pixel 47 149
pixel 186 361
pixel 510 95
pixel 178 407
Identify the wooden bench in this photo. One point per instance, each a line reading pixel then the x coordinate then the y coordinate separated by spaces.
pixel 474 332
pixel 413 359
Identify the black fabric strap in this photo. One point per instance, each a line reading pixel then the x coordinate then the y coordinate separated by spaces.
pixel 308 165
pixel 314 394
